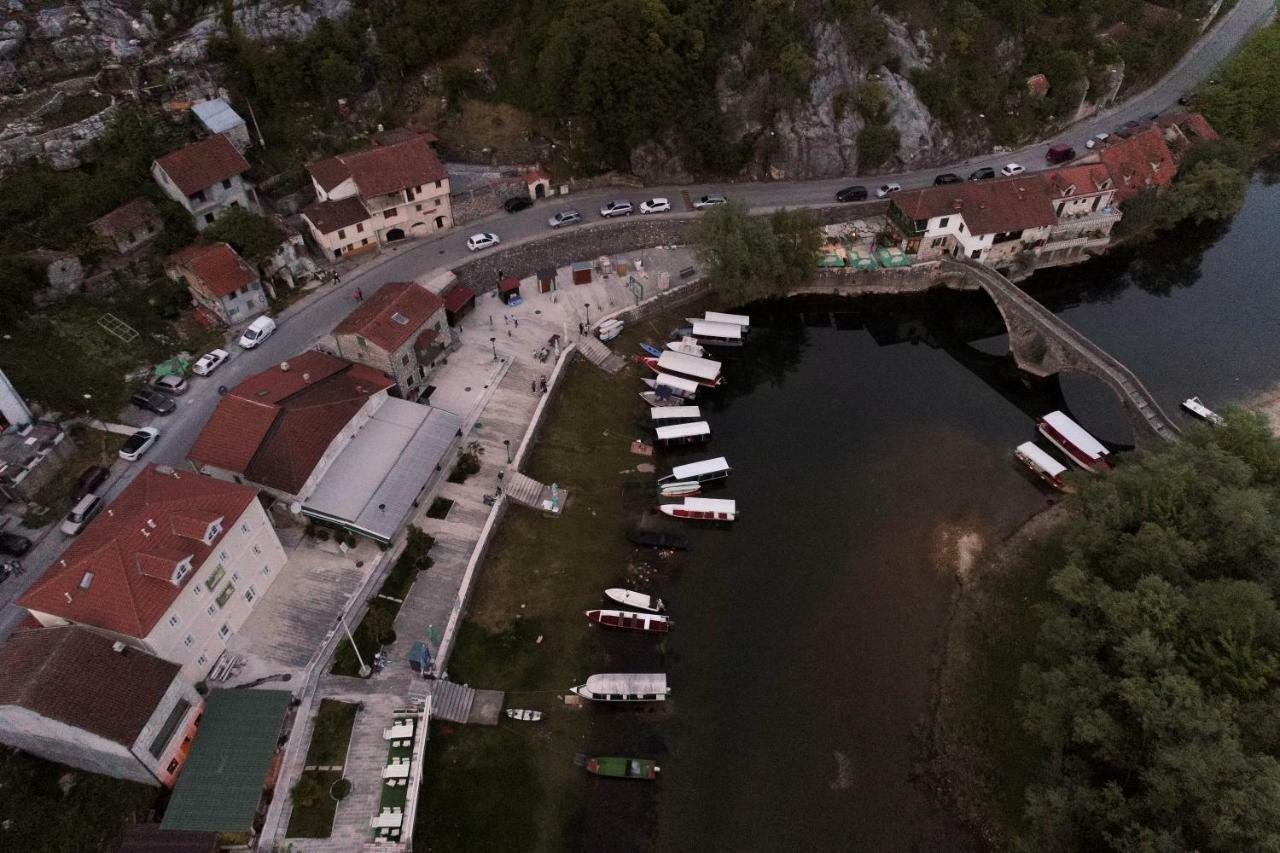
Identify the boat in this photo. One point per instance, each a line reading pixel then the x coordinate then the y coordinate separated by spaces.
pixel 702 509
pixel 657 539
pixel 635 599
pixel 663 415
pixel 625 687
pixel 653 398
pixel 727 319
pixel 701 472
pixel 609 330
pixel 650 349
pixel 1200 410
pixel 688 346
pixel 686 489
pixel 714 334
pixel 703 371
pixel 1072 439
pixel 609 325
pixel 1045 466
pixel 674 385
pixel 623 768
pixel 678 435
pixel 524 714
pixel 652 623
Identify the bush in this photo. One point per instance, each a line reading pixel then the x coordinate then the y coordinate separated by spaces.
pixel 876 144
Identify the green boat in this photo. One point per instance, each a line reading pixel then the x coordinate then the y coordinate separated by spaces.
pixel 623 768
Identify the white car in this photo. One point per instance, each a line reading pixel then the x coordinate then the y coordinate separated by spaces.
pixel 706 201
pixel 615 208
pixel 259 330
pixel 888 189
pixel 1097 139
pixel 483 240
pixel 138 443
pixel 210 362
pixel 1011 169
pixel 655 205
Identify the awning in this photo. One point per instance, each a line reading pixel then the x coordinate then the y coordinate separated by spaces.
pixel 457 297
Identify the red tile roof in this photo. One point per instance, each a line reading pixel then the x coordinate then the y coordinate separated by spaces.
pixel 457 296
pixel 217 266
pixel 202 164
pixel 1140 162
pixel 988 207
pixel 70 674
pixel 127 548
pixel 276 425
pixel 392 315
pixel 329 216
pixel 133 214
pixel 382 169
pixel 426 339
pixel 508 284
pixel 1080 179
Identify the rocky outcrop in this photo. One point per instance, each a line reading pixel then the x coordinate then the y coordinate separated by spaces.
pixel 260 20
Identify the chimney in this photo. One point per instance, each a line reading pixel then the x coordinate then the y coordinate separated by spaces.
pixel 68 595
pixel 306 377
pixel 118 647
pixel 284 366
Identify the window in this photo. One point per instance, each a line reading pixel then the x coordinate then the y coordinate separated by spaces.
pixel 213 608
pixel 943 223
pixel 361 342
pixel 233 311
pixel 188 641
pixel 364 242
pixel 87 580
pixel 359 227
pixel 235 577
pixel 208 218
pixel 173 765
pixel 170 726
pixel 410 380
pixel 257 549
pixel 174 620
pixel 224 630
pixel 437 185
pixel 222 555
pixel 975 253
pixel 404 359
pixel 937 241
pixel 195 589
pixel 203 660
pixel 962 227
pixel 342 233
pixel 244 528
pixel 418 207
pixel 198 196
pixel 250 594
pixel 226 185
pixel 266 570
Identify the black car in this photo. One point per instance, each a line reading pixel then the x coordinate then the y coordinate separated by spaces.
pixel 515 204
pixel 986 173
pixel 852 194
pixel 14 545
pixel 87 484
pixel 947 178
pixel 153 401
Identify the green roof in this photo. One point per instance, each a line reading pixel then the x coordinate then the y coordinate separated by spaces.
pixel 221 783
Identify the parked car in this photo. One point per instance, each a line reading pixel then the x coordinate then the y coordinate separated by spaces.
pixel 89 481
pixel 259 330
pixel 153 401
pixel 655 205
pixel 1059 152
pixel 1011 169
pixel 986 173
pixel 85 510
pixel 483 240
pixel 1097 139
pixel 564 217
pixel 620 207
pixel 14 545
pixel 210 362
pixel 706 201
pixel 175 385
pixel 947 178
pixel 138 443
pixel 886 189
pixel 852 194
pixel 515 204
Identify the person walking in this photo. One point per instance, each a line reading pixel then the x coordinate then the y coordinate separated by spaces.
pixel 359 295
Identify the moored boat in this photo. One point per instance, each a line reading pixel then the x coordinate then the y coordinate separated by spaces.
pixel 639 600
pixel 686 389
pixel 1200 410
pixel 715 334
pixel 727 319
pixel 703 371
pixel 676 435
pixel 663 415
pixel 625 687
pixel 650 349
pixel 652 623
pixel 1073 440
pixel 615 767
pixel 609 330
pixel 688 346
pixel 525 714
pixel 653 398
pixel 657 539
pixel 686 489
pixel 702 471
pixel 1045 466
pixel 702 509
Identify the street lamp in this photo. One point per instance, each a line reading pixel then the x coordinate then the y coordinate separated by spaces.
pixel 493 343
pixel 364 668
pixel 507 443
pixel 587 305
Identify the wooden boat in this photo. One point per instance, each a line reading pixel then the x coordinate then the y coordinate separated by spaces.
pixel 675 386
pixel 1072 439
pixel 634 599
pixel 524 714
pixel 1045 466
pixel 625 687
pixel 702 509
pixel 1200 410
pixel 688 346
pixel 657 539
pixel 651 623
pixel 703 371
pixel 654 399
pixel 686 489
pixel 702 472
pixel 650 349
pixel 623 768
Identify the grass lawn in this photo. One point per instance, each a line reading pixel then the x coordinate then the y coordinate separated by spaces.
pixel 509 788
pixel 91 448
pixel 331 733
pixel 313 805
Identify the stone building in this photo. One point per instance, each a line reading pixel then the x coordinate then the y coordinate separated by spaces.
pixel 401 330
pixel 207 178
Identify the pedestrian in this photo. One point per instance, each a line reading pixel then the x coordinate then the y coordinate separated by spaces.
pixel 359 295
pixel 533 385
pixel 505 320
pixel 508 333
pixel 580 330
pixel 516 321
pixel 490 321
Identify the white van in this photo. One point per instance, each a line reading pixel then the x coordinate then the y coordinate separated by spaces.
pixel 259 330
pixel 81 514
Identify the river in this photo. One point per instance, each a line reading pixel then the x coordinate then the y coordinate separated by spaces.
pixel 871 443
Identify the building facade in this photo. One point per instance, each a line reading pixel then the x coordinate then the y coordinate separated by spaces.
pixel 129 226
pixel 207 178
pixel 400 330
pixel 219 280
pixel 1083 198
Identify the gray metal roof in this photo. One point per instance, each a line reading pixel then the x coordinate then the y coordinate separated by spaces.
pixel 217 115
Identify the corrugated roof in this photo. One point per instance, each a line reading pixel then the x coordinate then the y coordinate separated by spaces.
pixel 222 781
pixel 202 164
pixel 392 315
pixel 217 115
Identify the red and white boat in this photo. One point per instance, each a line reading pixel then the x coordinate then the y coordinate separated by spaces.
pixel 652 623
pixel 1072 439
pixel 1045 466
pixel 703 371
pixel 702 509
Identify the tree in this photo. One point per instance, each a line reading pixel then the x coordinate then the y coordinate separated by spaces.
pixel 739 252
pixel 1210 191
pixel 799 239
pixel 253 236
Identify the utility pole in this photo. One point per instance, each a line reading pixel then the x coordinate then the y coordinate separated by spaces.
pixel 262 143
pixel 364 668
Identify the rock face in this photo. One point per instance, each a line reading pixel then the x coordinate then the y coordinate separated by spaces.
pixel 261 20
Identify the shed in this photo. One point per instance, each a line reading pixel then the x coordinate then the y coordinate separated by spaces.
pixel 459 299
pixel 582 272
pixel 546 279
pixel 509 290
pixel 218 117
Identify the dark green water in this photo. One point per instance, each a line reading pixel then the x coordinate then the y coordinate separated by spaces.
pixel 867 436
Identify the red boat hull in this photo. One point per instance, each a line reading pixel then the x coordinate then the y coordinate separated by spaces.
pixel 646 622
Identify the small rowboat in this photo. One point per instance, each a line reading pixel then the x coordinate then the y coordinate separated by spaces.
pixel 688 346
pixel 1200 410
pixel 688 489
pixel 651 349
pixel 623 768
pixel 650 623
pixel 638 600
pixel 524 714
pixel 656 400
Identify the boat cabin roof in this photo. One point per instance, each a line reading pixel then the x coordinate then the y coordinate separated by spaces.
pixel 690 365
pixel 675 413
pixel 707 329
pixel 731 319
pixel 627 682
pixel 697 469
pixel 1042 460
pixel 710 505
pixel 677 383
pixel 1076 434
pixel 666 433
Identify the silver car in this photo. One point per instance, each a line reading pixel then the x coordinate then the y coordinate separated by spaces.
pixel 615 208
pixel 565 217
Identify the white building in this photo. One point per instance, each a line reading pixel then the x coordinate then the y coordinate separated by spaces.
pixel 173 566
pixel 207 178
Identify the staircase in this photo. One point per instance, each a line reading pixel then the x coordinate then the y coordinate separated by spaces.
pixel 529 492
pixel 600 355
pixel 451 701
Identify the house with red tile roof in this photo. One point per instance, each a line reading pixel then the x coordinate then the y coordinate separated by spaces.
pixel 173 566
pixel 219 280
pixel 70 695
pixel 207 178
pixel 396 189
pixel 1083 197
pixel 1141 162
pixel 1183 131
pixel 400 330
pixel 280 429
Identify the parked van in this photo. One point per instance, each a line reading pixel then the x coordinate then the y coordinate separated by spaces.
pixel 259 330
pixel 81 514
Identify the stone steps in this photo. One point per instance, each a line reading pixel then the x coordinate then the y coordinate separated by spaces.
pixel 451 701
pixel 600 355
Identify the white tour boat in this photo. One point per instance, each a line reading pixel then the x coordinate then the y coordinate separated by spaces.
pixel 1072 439
pixel 686 489
pixel 625 687
pixel 663 415
pixel 704 371
pixel 677 387
pixel 1045 466
pixel 715 334
pixel 654 399
pixel 675 435
pixel 702 509
pixel 700 472
pixel 728 319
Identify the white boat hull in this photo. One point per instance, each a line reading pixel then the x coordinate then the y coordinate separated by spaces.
pixel 638 600
pixel 1200 410
pixel 524 714
pixel 680 490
